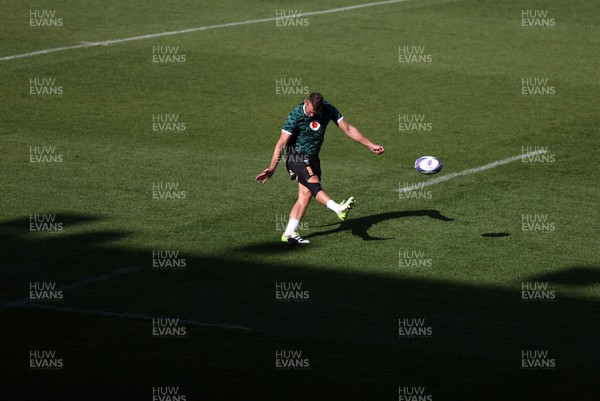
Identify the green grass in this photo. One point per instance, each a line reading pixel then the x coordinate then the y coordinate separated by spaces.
pixel 226 227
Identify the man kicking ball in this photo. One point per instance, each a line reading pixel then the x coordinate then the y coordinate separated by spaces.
pixel 301 138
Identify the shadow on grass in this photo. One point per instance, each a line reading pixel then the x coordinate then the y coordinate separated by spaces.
pixel 357 226
pixel 360 226
pixel 346 325
pixel 576 276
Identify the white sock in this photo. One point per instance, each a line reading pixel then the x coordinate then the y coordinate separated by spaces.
pixel 333 206
pixel 291 227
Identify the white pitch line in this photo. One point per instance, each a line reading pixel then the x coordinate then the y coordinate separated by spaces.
pixel 27 303
pixel 469 171
pixel 78 284
pixel 188 30
pixel 136 316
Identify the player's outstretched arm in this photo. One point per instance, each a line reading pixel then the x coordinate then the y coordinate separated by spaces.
pixel 268 172
pixel 354 134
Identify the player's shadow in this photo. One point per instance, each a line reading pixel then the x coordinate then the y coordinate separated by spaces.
pixel 360 226
pixel 357 226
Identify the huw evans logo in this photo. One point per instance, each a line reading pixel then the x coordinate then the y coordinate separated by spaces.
pixel 44 86
pixel 44 291
pixel 44 360
pixel 414 259
pixel 290 291
pixel 167 123
pixel 537 222
pixel 413 55
pixel 44 154
pixel 167 328
pixel 536 291
pixel 532 86
pixel 537 19
pixel 290 19
pixel 410 190
pixel 537 154
pixel 44 19
pixel 168 260
pixel 413 394
pixel 167 190
pixel 290 359
pixel 293 155
pixel 290 87
pixel 413 123
pixel 167 55
pixel 413 328
pixel 537 360
pixel 44 222
pixel 167 394
pixel 281 222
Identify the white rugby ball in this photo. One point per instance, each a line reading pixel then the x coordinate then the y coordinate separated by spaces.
pixel 428 165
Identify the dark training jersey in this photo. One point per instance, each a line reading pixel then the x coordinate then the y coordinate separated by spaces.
pixel 308 132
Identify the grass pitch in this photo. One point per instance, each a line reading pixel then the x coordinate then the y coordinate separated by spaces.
pixel 456 256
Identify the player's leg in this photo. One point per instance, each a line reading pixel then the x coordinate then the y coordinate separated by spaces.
pixel 304 197
pixel 290 234
pixel 295 166
pixel 313 183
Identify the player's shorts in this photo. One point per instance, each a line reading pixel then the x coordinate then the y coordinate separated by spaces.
pixel 302 166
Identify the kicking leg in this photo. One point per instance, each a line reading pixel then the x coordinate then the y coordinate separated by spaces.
pixel 314 184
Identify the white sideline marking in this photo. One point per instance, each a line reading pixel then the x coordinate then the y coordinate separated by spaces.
pixel 188 30
pixel 79 284
pixel 26 302
pixel 137 316
pixel 469 171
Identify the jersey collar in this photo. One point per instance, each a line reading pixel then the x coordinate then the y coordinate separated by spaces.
pixel 304 110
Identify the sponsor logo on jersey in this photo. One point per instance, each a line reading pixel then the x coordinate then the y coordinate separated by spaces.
pixel 314 125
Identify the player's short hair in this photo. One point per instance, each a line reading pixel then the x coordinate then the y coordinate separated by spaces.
pixel 316 99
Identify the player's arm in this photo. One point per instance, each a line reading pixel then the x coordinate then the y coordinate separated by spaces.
pixel 277 153
pixel 353 133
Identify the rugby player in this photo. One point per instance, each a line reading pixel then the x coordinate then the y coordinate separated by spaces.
pixel 301 139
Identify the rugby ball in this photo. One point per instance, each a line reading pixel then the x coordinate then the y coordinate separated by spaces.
pixel 428 165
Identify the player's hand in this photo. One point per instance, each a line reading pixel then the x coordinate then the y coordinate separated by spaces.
pixel 377 149
pixel 264 176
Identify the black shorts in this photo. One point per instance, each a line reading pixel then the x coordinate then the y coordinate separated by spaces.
pixel 303 166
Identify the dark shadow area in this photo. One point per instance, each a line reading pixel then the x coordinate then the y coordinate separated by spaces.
pixel 579 276
pixel 495 235
pixel 271 247
pixel 360 226
pixel 55 249
pixel 348 329
pixel 21 225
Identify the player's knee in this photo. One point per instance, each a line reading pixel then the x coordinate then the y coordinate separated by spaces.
pixel 304 193
pixel 305 198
